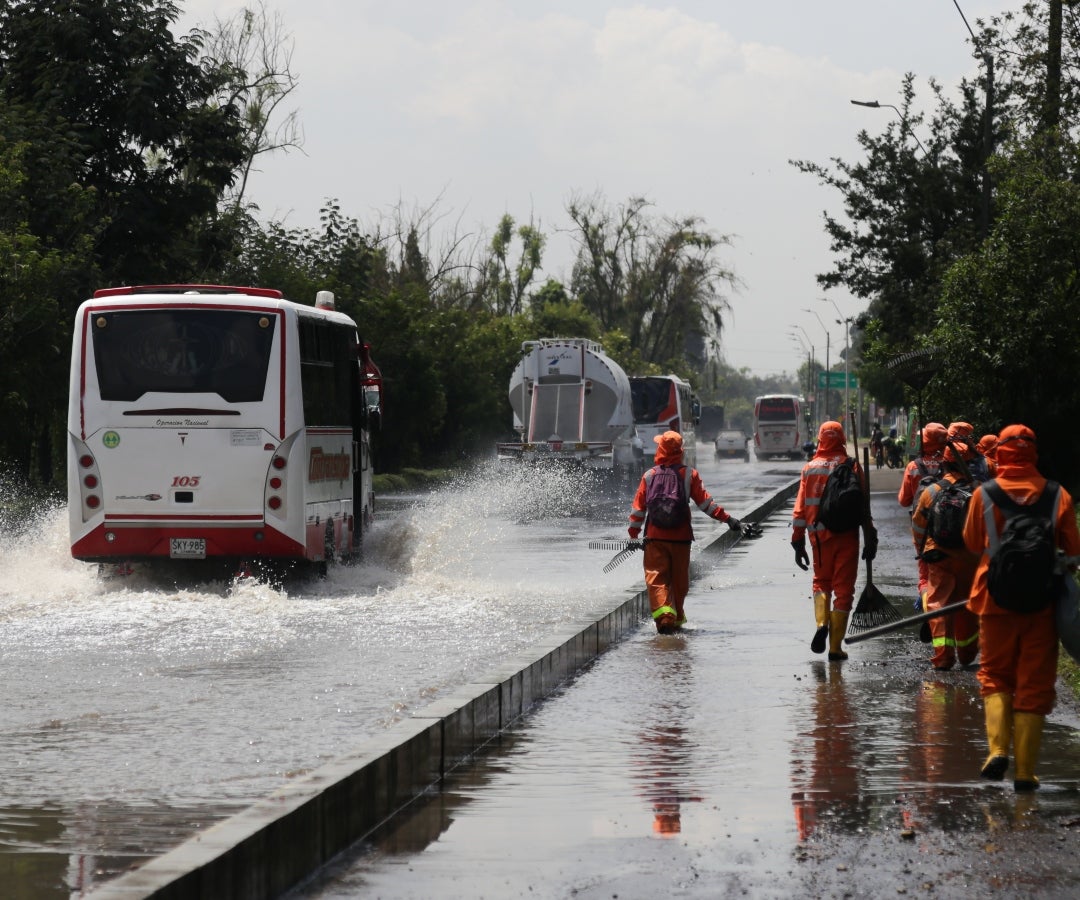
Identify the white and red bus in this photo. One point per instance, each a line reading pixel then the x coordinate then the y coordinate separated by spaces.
pixel 778 426
pixel 218 423
pixel 664 403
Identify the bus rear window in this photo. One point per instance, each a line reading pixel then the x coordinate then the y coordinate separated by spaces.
pixel 651 399
pixel 186 351
pixel 777 410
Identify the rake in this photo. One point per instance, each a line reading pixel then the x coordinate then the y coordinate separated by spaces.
pixel 626 549
pixel 896 624
pixel 873 608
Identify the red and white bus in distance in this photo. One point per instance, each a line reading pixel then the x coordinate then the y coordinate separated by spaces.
pixel 777 426
pixel 218 423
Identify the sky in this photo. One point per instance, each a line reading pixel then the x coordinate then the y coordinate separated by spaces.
pixel 480 108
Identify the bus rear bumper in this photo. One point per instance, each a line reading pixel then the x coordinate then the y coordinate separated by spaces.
pixel 109 543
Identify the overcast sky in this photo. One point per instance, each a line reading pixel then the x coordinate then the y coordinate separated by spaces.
pixel 514 107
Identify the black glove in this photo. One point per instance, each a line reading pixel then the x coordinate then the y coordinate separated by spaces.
pixel 869 550
pixel 801 559
pixel 734 524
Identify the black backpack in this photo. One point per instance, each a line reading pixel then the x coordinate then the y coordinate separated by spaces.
pixel 1021 576
pixel 665 498
pixel 842 505
pixel 947 513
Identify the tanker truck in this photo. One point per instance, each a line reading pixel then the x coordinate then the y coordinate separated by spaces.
pixel 572 404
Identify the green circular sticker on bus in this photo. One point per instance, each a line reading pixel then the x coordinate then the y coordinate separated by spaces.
pixel 110 439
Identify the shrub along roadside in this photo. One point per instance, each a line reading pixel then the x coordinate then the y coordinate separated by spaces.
pixel 411 480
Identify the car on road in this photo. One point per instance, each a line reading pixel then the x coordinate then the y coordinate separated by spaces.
pixel 732 445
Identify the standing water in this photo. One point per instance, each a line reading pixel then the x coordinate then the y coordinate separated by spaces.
pixel 137 710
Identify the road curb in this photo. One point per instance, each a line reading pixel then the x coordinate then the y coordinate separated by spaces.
pixel 273 845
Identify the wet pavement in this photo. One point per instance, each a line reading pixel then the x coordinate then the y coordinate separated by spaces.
pixel 731 761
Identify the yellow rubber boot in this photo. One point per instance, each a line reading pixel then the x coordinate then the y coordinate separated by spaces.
pixel 837 627
pixel 1027 739
pixel 999 728
pixel 821 618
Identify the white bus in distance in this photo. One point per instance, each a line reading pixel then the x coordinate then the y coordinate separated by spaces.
pixel 778 426
pixel 218 423
pixel 664 403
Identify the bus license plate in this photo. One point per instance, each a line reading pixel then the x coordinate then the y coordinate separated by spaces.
pixel 187 548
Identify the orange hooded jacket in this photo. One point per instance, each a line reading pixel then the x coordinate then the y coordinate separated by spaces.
pixel 669 452
pixel 1018 477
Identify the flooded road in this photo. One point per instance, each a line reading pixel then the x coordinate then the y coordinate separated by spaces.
pixel 732 762
pixel 137 711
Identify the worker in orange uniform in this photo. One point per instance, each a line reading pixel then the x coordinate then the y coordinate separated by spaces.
pixel 987 446
pixel 667 550
pixel 836 554
pixel 1019 649
pixel 926 465
pixel 950 569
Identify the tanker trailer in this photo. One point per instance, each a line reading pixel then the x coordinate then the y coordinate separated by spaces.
pixel 571 404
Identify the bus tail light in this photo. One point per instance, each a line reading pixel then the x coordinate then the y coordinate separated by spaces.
pixel 278 462
pixel 274 502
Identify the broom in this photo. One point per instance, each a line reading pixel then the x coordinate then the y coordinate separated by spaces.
pixel 873 609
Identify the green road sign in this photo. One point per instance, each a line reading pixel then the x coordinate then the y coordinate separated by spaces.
pixel 836 381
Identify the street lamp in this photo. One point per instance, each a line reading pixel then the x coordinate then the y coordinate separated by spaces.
pixel 810 358
pixel 826 330
pixel 846 322
pixel 873 104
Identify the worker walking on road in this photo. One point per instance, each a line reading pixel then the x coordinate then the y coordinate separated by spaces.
pixel 1018 630
pixel 836 553
pixel 927 465
pixel 665 514
pixel 937 531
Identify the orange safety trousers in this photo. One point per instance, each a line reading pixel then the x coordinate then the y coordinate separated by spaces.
pixel 956 635
pixel 667 576
pixel 836 565
pixel 1019 658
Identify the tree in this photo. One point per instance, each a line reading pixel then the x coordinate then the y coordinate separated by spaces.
pixel 141 113
pixel 1009 327
pixel 656 280
pixel 506 283
pixel 907 217
pixel 253 55
pixel 34 336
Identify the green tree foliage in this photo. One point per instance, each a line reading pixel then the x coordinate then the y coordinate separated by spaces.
pixel 139 112
pixel 506 283
pixel 658 280
pixel 1009 328
pixel 908 215
pixel 34 339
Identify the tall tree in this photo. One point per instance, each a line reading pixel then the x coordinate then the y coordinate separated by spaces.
pixel 909 210
pixel 141 108
pixel 253 54
pixel 658 280
pixel 1009 327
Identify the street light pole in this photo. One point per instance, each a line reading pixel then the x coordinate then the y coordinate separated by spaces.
pixel 873 104
pixel 846 322
pixel 810 368
pixel 826 330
